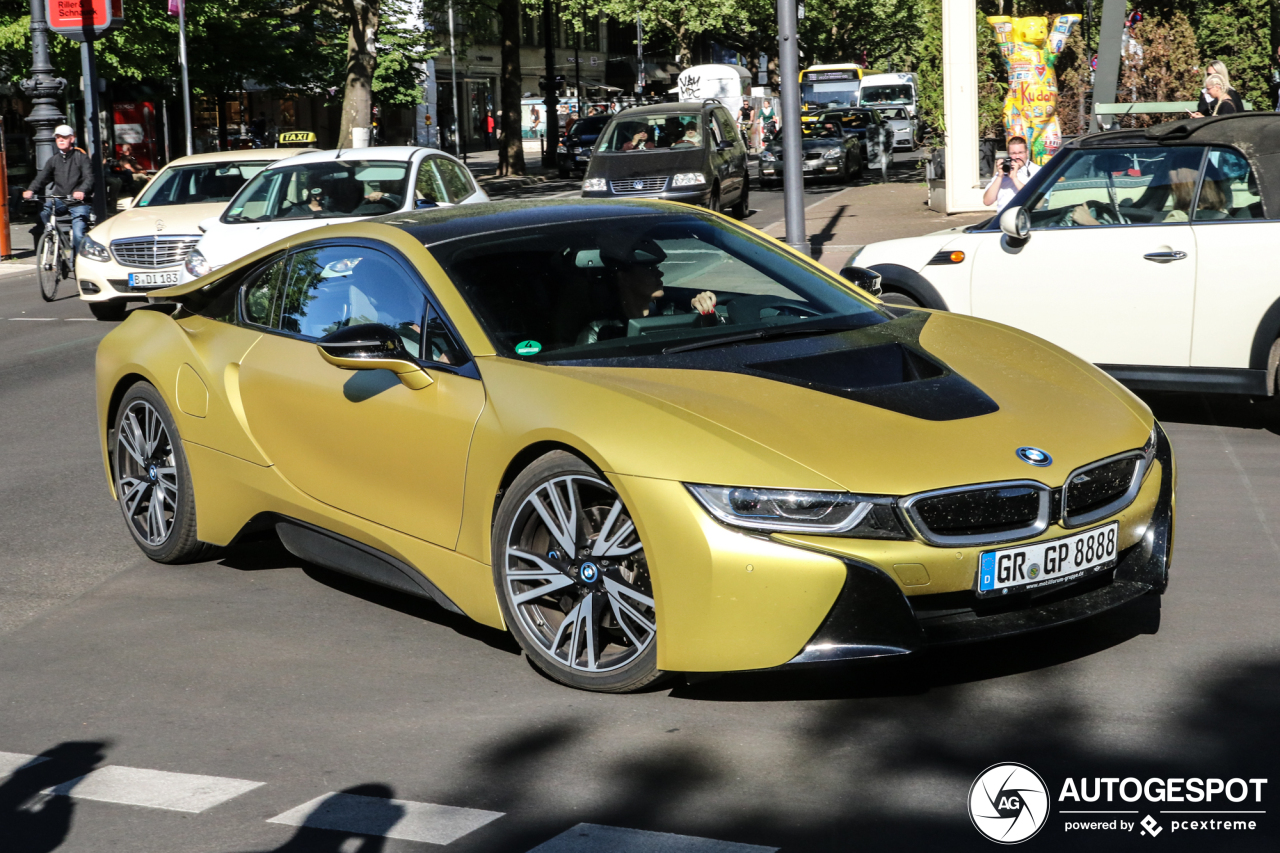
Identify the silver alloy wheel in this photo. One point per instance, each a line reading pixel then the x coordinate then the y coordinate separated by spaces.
pixel 146 473
pixel 576 576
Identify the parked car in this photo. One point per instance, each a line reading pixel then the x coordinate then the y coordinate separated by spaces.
pixel 1142 251
pixel 830 151
pixel 321 188
pixel 904 125
pixel 143 247
pixel 873 133
pixel 574 151
pixel 481 406
pixel 675 151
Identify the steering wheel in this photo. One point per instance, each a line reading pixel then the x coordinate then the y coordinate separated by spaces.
pixel 748 309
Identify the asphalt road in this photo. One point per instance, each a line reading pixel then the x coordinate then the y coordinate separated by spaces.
pixel 274 686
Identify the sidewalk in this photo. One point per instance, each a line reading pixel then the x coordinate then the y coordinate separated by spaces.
pixel 484 166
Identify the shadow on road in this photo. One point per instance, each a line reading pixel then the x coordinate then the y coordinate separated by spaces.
pixel 32 822
pixel 329 827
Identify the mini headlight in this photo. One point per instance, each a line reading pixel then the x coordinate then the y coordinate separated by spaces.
pixel 767 155
pixel 93 250
pixel 561 149
pixel 197 265
pixel 832 154
pixel 688 179
pixel 802 511
pixel 594 185
pixel 1149 449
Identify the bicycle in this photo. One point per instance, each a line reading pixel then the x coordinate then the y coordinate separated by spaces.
pixel 55 260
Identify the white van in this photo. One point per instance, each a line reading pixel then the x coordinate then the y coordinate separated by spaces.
pixel 895 89
pixel 729 84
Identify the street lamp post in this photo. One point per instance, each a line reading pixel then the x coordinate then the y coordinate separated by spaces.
pixel 792 153
pixel 43 88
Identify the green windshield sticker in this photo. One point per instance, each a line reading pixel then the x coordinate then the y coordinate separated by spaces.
pixel 528 348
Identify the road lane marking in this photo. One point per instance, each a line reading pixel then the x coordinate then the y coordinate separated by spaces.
pixel 80 319
pixel 156 789
pixel 34 318
pixel 403 819
pixel 12 762
pixel 592 838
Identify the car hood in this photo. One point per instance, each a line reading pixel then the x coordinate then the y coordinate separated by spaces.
pixel 161 221
pixel 620 165
pixel 808 145
pixel 223 243
pixel 731 427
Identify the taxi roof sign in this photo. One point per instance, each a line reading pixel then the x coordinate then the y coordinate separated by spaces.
pixel 297 136
pixel 84 19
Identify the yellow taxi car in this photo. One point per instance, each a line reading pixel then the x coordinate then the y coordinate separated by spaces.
pixel 143 247
pixel 642 437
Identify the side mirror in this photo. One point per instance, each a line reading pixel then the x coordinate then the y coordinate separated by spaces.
pixel 424 203
pixel 206 224
pixel 373 346
pixel 1016 222
pixel 868 280
pixel 724 145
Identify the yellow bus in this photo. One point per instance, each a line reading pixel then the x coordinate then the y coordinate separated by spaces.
pixel 824 87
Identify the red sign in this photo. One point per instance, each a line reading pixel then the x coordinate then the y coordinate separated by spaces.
pixel 73 18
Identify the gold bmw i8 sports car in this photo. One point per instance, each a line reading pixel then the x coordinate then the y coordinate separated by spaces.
pixel 640 436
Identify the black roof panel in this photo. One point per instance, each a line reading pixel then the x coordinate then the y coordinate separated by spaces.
pixel 438 225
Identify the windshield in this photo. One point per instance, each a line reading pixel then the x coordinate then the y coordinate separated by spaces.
pixel 894 114
pixel 623 286
pixel 824 128
pixel 901 94
pixel 209 182
pixel 321 191
pixel 655 131
pixel 830 89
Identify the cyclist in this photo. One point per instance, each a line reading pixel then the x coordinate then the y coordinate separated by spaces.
pixel 70 174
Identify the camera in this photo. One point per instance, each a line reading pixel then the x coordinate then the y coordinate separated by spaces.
pixel 1006 166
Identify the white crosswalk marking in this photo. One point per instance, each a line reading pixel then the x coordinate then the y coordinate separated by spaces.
pixel 592 838
pixel 157 789
pixel 401 819
pixel 12 762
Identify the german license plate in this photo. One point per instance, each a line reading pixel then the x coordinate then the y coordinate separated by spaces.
pixel 153 279
pixel 1047 563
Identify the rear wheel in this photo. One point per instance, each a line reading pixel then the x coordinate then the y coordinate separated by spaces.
pixel 572 578
pixel 153 481
pixel 48 265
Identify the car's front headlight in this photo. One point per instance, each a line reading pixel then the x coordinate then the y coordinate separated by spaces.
pixel 560 149
pixel 767 155
pixel 832 154
pixel 802 511
pixel 595 185
pixel 197 265
pixel 688 179
pixel 93 250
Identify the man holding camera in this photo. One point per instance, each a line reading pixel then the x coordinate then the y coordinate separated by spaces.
pixel 1011 174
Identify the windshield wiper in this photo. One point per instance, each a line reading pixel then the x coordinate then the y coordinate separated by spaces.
pixel 762 334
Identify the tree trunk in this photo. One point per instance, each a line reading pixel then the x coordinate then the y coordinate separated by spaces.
pixel 357 97
pixel 511 142
pixel 684 46
pixel 222 119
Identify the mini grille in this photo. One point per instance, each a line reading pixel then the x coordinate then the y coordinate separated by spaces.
pixel 1101 489
pixel 153 252
pixel 979 515
pixel 639 185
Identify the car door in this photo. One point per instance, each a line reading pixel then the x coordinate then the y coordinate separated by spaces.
pixel 429 190
pixel 1109 270
pixel 360 441
pixel 457 181
pixel 1234 283
pixel 735 157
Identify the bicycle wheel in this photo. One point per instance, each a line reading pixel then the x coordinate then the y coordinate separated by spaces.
pixel 49 265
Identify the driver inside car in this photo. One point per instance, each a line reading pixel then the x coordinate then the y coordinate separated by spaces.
pixel 635 265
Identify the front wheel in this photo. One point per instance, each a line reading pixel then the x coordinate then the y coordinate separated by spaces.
pixel 743 205
pixel 573 582
pixel 48 265
pixel 713 200
pixel 153 480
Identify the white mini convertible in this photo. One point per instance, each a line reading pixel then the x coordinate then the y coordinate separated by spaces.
pixel 1143 251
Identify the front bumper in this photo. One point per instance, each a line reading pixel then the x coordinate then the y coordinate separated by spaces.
pixel 698 195
pixel 106 281
pixel 772 170
pixel 872 618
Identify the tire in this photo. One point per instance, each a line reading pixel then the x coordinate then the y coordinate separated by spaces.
pixel 107 310
pixel 713 200
pixel 742 206
pixel 893 297
pixel 595 627
pixel 147 459
pixel 48 266
pixel 565 173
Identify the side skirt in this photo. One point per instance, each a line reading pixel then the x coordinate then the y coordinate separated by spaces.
pixel 1212 380
pixel 333 551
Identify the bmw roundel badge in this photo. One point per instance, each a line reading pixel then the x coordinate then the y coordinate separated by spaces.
pixel 589 572
pixel 1034 456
